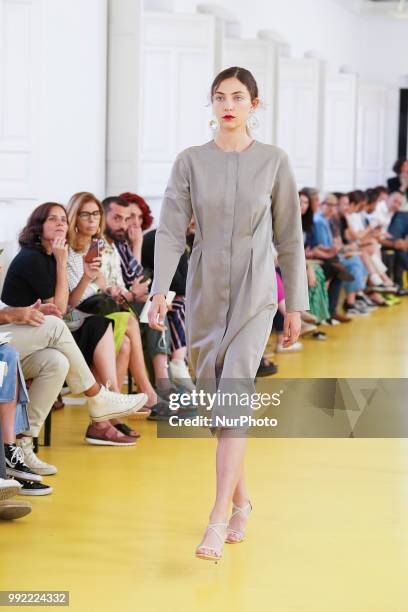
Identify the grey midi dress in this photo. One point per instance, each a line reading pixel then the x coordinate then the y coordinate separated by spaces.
pixel 242 203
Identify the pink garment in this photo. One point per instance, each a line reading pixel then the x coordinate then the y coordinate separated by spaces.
pixel 281 292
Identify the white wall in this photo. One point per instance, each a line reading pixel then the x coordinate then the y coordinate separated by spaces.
pixel 382 51
pixel 52 104
pixel 306 24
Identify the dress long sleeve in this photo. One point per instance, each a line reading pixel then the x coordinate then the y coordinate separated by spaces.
pixel 175 215
pixel 288 237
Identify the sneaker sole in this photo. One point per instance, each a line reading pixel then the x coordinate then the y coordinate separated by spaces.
pixel 7 492
pixel 37 492
pixel 98 442
pixel 23 476
pixel 132 411
pixel 44 471
pixel 13 510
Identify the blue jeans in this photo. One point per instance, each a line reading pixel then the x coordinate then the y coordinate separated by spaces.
pixel 8 390
pixel 357 268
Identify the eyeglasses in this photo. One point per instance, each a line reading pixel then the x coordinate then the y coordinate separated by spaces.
pixel 55 219
pixel 87 215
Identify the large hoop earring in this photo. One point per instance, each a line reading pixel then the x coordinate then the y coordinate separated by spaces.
pixel 252 122
pixel 213 124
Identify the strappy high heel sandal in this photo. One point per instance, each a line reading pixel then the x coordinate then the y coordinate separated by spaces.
pixel 210 553
pixel 234 536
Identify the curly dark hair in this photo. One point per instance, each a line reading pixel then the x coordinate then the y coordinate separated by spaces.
pixel 133 198
pixel 31 234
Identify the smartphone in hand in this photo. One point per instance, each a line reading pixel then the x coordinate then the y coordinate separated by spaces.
pixel 95 250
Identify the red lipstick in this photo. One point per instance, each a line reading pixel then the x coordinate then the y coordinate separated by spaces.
pixel 228 117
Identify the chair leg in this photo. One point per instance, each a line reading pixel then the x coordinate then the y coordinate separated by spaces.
pixel 47 430
pixel 130 382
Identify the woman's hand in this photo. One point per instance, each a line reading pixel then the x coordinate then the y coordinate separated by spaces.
pixel 291 328
pixel 157 312
pixel 135 235
pixel 60 250
pixel 91 270
pixel 140 289
pixel 116 293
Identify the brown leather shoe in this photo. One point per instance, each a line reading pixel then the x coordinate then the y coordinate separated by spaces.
pixel 12 509
pixel 109 436
pixel 342 318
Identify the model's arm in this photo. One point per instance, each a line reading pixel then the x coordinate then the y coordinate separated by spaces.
pixel 288 238
pixel 170 241
pixel 175 215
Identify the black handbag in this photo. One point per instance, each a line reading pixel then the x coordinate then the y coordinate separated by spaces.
pixel 100 304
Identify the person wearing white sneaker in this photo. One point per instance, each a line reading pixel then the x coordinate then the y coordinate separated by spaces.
pixel 48 352
pixel 231 292
pixel 35 464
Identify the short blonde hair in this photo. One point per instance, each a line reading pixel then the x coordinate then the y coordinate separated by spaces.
pixel 75 204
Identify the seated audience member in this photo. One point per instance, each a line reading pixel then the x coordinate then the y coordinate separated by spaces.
pixel 365 238
pixel 349 258
pixel 87 221
pixel 14 420
pixel 9 487
pixel 400 182
pixel 398 230
pixel 313 195
pixel 335 273
pixel 385 210
pixel 318 294
pixel 39 272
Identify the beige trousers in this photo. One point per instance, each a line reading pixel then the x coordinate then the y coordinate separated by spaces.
pixel 49 355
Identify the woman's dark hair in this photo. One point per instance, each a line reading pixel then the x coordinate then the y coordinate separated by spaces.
pixel 398 164
pixel 307 217
pixel 382 189
pixel 242 74
pixel 356 196
pixel 371 195
pixel 30 236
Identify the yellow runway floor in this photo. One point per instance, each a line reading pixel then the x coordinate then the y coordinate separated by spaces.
pixel 328 533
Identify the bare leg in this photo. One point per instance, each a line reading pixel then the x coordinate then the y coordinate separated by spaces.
pixel 104 367
pixel 104 360
pixel 137 363
pixel 122 364
pixel 240 495
pixel 122 360
pixel 351 298
pixel 179 353
pixel 160 367
pixel 229 466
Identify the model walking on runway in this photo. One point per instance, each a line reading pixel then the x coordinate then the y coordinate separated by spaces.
pixel 243 196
